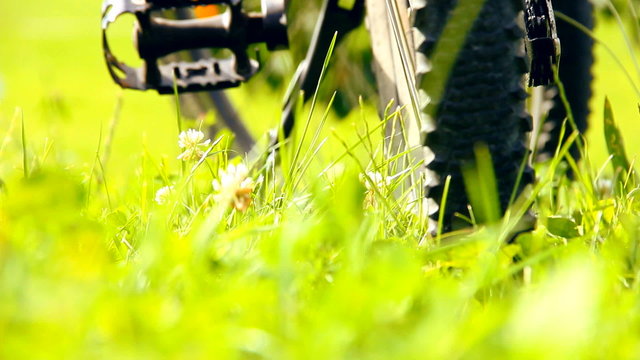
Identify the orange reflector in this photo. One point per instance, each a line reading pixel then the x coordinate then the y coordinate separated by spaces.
pixel 203 11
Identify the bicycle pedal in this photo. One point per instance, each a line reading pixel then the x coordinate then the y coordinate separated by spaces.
pixel 157 37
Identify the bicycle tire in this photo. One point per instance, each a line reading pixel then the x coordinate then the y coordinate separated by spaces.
pixel 483 102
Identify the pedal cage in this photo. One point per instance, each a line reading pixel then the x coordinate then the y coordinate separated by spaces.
pixel 157 37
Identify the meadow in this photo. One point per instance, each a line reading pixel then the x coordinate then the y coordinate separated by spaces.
pixel 122 239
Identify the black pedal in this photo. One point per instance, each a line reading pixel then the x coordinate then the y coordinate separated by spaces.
pixel 157 37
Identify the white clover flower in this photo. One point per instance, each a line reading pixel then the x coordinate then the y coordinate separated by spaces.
pixel 191 141
pixel 604 187
pixel 163 195
pixel 372 181
pixel 234 185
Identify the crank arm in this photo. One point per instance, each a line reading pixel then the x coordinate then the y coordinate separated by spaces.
pixel 333 19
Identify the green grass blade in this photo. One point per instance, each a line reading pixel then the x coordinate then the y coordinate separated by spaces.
pixel 176 97
pixel 314 100
pixel 25 161
pixel 480 184
pixel 113 124
pixel 443 204
pixel 567 107
pixel 446 52
pixel 615 146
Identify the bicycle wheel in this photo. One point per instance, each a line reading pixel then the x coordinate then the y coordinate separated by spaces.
pixel 482 101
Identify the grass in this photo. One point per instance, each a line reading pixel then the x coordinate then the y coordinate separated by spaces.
pixel 325 267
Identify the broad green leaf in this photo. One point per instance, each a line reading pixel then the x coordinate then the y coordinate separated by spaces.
pixel 562 226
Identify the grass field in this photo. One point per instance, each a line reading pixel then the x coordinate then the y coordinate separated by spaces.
pixel 95 262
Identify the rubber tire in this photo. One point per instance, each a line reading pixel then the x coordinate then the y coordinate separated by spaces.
pixel 575 74
pixel 483 102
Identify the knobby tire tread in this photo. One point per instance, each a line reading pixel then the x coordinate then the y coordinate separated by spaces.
pixel 483 101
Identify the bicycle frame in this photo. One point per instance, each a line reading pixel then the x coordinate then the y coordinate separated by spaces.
pixel 237 30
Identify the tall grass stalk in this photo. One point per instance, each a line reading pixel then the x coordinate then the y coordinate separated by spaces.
pixel 23 137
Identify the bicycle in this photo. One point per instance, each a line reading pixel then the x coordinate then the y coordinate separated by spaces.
pixel 480 100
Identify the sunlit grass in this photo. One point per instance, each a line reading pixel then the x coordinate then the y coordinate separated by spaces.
pixel 331 257
pixel 313 272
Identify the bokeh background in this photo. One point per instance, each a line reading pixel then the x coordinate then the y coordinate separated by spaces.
pixel 52 68
pixel 97 270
